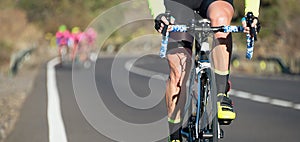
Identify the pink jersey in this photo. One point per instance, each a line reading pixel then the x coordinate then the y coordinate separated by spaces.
pixel 76 37
pixel 62 38
pixel 90 36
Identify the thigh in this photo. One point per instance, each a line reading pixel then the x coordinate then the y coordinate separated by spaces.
pixel 181 10
pixel 203 9
pixel 179 60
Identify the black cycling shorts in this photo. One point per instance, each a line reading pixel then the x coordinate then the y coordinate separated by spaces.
pixel 196 5
pixel 184 12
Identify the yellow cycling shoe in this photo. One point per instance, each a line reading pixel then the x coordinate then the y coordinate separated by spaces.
pixel 169 140
pixel 225 110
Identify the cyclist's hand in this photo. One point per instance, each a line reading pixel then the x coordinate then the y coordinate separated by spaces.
pixel 161 21
pixel 255 24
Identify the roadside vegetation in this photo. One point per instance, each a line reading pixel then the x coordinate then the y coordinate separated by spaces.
pixel 26 22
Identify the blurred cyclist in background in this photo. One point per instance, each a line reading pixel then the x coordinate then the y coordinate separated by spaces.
pixel 62 38
pixel 75 37
pixel 88 45
pixel 90 37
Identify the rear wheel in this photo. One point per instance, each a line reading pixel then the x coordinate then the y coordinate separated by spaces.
pixel 63 54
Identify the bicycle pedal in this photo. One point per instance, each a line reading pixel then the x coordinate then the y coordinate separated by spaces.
pixel 207 135
pixel 185 132
pixel 221 134
pixel 225 121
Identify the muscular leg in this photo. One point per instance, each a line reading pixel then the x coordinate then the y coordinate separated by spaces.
pixel 179 62
pixel 220 13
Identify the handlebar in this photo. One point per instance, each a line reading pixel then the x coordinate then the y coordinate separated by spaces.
pixel 225 29
pixel 250 38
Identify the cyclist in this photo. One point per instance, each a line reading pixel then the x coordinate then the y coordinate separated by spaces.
pixel 220 12
pixel 75 38
pixel 87 44
pixel 62 38
pixel 90 35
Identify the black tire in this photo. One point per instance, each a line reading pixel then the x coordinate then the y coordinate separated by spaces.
pixel 212 126
pixel 215 123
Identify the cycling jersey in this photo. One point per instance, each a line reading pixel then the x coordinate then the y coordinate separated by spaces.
pixel 75 39
pixel 62 38
pixel 157 6
pixel 90 36
pixel 252 6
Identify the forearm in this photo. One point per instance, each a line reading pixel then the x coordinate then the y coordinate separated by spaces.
pixel 252 6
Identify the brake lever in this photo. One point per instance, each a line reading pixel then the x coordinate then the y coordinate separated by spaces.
pixel 249 20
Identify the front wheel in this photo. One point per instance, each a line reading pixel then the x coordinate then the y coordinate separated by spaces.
pixel 215 130
pixel 212 114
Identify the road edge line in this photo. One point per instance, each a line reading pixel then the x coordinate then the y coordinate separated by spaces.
pixel 240 94
pixel 57 132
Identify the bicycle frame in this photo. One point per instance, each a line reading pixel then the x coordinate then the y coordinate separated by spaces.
pixel 201 74
pixel 205 130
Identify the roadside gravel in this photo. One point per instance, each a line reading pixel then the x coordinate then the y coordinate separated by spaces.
pixel 15 89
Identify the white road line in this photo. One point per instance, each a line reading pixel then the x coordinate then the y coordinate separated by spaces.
pixel 297 106
pixel 140 71
pixel 56 126
pixel 259 98
pixel 263 99
pixel 240 94
pixel 281 103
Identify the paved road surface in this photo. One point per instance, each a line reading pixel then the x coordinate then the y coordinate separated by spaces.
pixel 269 112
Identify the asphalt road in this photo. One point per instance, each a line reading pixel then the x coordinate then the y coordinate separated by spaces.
pixel 109 103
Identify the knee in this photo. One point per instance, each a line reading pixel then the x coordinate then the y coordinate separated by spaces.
pixel 220 13
pixel 220 19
